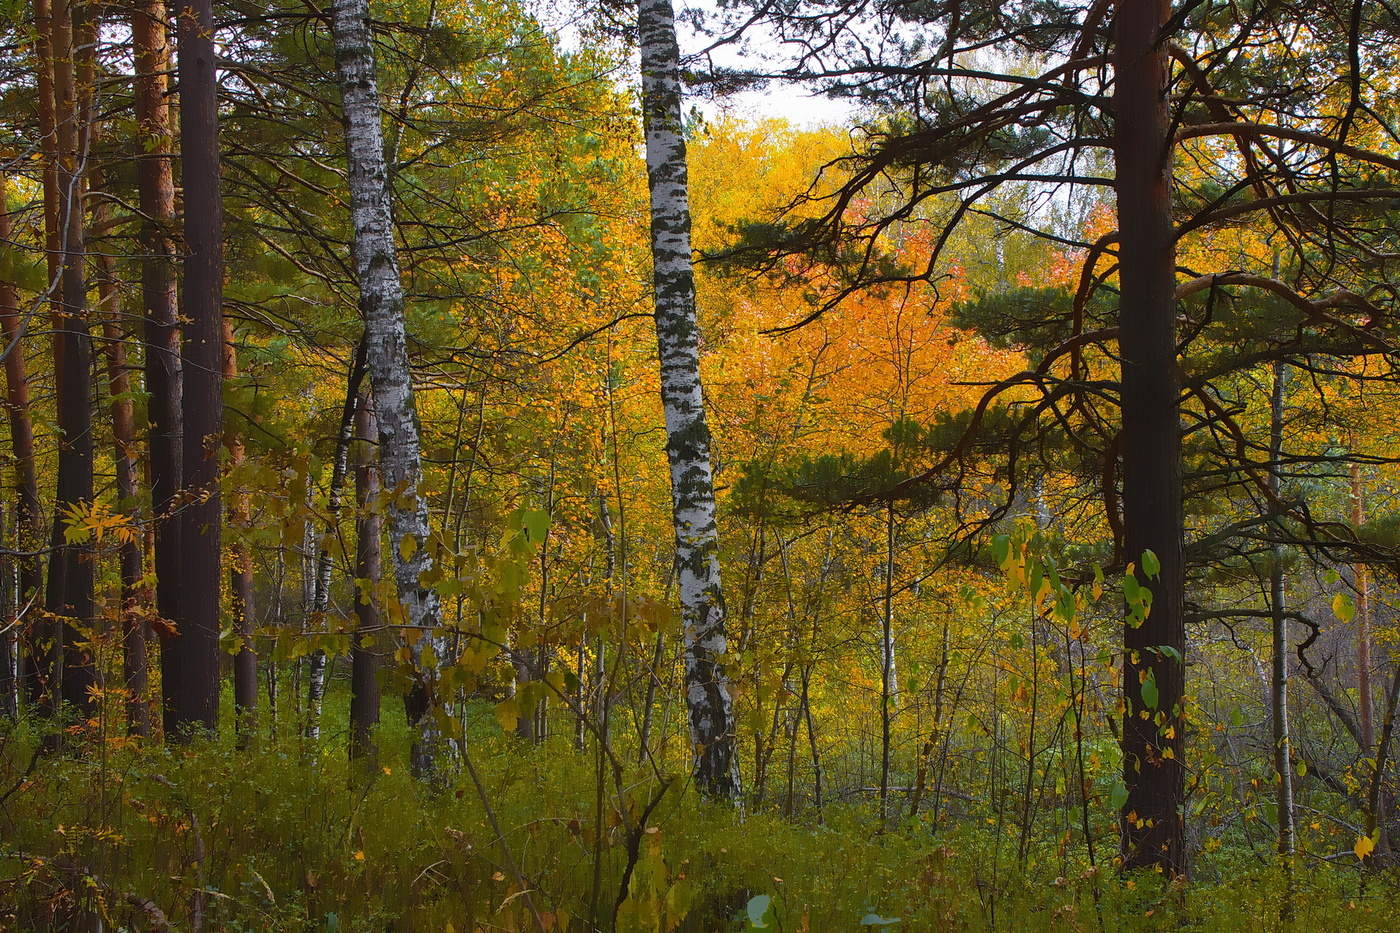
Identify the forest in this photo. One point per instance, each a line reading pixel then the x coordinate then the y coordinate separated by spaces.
pixel 699 465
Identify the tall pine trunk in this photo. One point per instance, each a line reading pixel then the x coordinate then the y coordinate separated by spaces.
pixel 688 436
pixel 386 359
pixel 156 196
pixel 1151 824
pixel 69 596
pixel 190 663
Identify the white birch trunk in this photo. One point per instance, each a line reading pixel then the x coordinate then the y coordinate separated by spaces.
pixel 688 437
pixel 386 361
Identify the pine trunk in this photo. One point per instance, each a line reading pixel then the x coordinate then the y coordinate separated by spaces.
pixel 688 436
pixel 190 663
pixel 156 194
pixel 386 360
pixel 69 595
pixel 1152 825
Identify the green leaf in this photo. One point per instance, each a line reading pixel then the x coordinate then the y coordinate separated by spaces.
pixel 1343 608
pixel 1118 796
pixel 1151 566
pixel 1149 690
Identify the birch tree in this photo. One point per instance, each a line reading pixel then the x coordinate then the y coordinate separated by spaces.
pixel 707 692
pixel 386 361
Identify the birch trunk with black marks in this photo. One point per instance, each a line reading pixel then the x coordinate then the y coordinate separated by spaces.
pixel 386 360
pixel 1278 699
pixel 321 592
pixel 190 661
pixel 708 697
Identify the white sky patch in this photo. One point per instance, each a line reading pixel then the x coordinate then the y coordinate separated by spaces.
pixel 799 106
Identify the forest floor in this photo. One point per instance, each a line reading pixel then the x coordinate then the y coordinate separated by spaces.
pixel 277 836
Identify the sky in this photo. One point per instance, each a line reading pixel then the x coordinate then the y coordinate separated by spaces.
pixel 786 102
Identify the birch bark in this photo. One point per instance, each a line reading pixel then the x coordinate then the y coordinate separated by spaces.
pixel 708 697
pixel 386 361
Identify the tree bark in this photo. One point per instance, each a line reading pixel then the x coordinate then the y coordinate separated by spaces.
pixel 1364 710
pixel 321 586
pixel 1152 832
pixel 365 650
pixel 26 481
pixel 190 663
pixel 386 359
pixel 69 595
pixel 135 631
pixel 156 194
pixel 240 516
pixel 1278 699
pixel 710 706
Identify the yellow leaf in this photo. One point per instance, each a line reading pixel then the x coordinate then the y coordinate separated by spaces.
pixel 1364 846
pixel 360 855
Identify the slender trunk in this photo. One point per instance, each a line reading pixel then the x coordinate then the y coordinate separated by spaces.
pixel 365 650
pixel 708 699
pixel 386 359
pixel 156 191
pixel 1283 771
pixel 321 591
pixel 1151 825
pixel 240 516
pixel 1365 717
pixel 887 672
pixel 135 631
pixel 190 663
pixel 26 481
pixel 69 595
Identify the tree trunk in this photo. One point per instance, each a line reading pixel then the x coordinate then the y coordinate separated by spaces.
pixel 26 481
pixel 386 359
pixel 1364 712
pixel 69 595
pixel 190 663
pixel 1153 771
pixel 135 631
pixel 708 699
pixel 240 515
pixel 1283 770
pixel 365 650
pixel 158 295
pixel 321 587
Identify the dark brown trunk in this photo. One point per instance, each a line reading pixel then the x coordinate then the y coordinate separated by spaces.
pixel 158 294
pixel 190 664
pixel 240 515
pixel 69 596
pixel 365 650
pixel 1153 671
pixel 26 482
pixel 135 630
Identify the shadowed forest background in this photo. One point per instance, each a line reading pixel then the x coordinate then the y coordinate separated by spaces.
pixel 461 476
